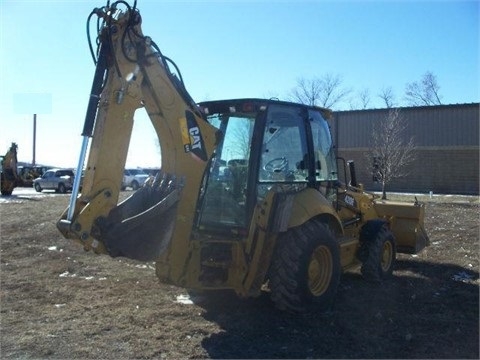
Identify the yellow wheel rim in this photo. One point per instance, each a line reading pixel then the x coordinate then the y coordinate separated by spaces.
pixel 320 270
pixel 387 252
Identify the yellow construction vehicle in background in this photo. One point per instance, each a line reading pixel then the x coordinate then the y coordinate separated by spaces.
pixel 27 173
pixel 9 178
pixel 248 197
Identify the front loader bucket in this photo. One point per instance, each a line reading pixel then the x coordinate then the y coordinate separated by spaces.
pixel 141 227
pixel 407 224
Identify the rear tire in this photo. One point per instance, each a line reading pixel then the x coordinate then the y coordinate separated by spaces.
pixel 135 185
pixel 377 251
pixel 61 188
pixel 305 270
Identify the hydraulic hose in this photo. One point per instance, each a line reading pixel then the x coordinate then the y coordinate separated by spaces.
pixel 97 86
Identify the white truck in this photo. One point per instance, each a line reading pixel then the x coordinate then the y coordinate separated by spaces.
pixel 60 180
pixel 134 178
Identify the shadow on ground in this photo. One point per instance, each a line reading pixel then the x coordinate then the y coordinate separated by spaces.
pixel 400 318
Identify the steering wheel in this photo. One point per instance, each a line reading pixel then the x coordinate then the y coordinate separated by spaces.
pixel 276 165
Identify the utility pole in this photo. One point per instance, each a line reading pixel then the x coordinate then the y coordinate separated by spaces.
pixel 33 103
pixel 34 137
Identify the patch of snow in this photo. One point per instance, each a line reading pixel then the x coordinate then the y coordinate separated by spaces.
pixel 67 274
pixel 184 299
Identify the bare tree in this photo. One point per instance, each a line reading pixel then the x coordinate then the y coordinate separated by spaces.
pixel 364 96
pixel 326 91
pixel 423 92
pixel 240 147
pixel 388 97
pixel 360 100
pixel 390 153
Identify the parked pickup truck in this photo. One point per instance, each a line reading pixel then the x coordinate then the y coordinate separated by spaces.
pixel 60 180
pixel 134 178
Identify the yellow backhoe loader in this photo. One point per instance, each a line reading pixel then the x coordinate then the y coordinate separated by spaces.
pixel 248 196
pixel 9 178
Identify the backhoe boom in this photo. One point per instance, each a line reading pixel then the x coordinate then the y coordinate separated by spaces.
pixel 131 73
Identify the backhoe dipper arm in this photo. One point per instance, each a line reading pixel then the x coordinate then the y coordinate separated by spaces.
pixel 132 73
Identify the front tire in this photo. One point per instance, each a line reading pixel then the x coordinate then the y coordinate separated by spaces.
pixel 38 188
pixel 377 251
pixel 305 270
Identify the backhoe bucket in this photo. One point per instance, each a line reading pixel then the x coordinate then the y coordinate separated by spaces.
pixel 407 224
pixel 141 227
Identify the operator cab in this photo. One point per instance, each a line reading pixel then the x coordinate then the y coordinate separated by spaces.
pixel 264 143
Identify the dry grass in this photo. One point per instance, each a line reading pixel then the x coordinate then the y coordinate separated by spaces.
pixel 58 302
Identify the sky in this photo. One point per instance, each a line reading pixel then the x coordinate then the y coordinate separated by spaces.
pixel 227 49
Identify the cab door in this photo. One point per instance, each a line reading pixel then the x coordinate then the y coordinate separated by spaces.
pixel 224 206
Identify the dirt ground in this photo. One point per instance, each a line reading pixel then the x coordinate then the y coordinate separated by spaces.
pixel 58 302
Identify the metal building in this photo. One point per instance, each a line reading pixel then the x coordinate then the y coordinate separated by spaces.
pixel 446 141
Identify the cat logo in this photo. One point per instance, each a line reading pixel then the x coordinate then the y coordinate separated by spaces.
pixel 192 137
pixel 196 139
pixel 350 201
